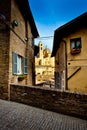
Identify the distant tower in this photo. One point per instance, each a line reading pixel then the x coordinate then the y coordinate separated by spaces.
pixel 40 50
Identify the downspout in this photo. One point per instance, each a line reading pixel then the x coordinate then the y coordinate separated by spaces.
pixel 66 70
pixel 26 40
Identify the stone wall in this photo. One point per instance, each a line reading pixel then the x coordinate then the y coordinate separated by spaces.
pixel 65 102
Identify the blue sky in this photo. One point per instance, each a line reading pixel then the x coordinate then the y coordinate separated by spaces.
pixel 51 14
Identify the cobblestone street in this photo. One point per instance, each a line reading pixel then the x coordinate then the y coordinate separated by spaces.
pixel 14 116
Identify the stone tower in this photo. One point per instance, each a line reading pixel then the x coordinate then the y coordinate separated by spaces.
pixel 40 53
pixel 40 50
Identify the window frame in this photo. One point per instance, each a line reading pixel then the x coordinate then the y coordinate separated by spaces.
pixel 19 65
pixel 75 49
pixel 23 66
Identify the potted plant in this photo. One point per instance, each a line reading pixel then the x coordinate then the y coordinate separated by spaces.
pixel 21 77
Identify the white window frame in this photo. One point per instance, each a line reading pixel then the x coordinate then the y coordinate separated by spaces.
pixel 19 65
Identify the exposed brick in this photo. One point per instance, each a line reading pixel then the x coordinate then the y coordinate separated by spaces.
pixel 11 42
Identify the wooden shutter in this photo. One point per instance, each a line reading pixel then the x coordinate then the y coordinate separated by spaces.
pixel 25 66
pixel 14 65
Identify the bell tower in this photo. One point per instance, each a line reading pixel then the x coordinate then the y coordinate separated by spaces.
pixel 40 50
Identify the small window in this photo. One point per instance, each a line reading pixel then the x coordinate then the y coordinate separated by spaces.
pixel 75 45
pixel 20 64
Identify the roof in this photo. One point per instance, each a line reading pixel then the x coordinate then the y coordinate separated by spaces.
pixel 67 29
pixel 26 12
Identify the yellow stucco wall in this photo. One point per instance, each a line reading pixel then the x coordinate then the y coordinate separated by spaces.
pixel 78 82
pixel 76 64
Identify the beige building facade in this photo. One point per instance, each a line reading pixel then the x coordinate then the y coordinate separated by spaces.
pixel 70 50
pixel 44 64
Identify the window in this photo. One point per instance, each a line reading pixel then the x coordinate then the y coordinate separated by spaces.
pixel 41 46
pixel 19 65
pixel 75 45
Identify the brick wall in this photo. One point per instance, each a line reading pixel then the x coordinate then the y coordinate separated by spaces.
pixel 4 64
pixel 14 42
pixel 74 104
pixel 4 49
pixel 17 45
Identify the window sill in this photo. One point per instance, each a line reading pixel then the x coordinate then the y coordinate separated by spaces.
pixel 75 51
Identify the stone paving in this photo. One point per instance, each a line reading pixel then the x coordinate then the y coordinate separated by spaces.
pixel 15 116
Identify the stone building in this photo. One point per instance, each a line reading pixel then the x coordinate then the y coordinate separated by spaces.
pixel 70 51
pixel 44 64
pixel 17 33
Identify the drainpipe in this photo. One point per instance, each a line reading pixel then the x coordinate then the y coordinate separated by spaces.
pixel 26 53
pixel 66 70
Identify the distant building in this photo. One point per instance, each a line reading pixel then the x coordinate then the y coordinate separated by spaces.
pixel 70 51
pixel 44 64
pixel 17 33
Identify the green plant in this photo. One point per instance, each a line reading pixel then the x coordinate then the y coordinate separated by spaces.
pixel 21 77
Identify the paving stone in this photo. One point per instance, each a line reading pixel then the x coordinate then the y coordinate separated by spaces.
pixel 16 116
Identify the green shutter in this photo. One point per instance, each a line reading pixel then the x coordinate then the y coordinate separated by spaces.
pixel 14 65
pixel 25 66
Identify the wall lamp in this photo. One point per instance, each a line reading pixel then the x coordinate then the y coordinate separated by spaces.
pixel 14 23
